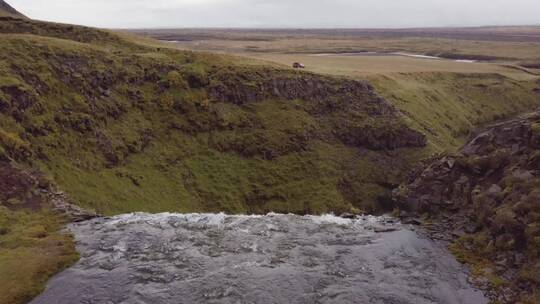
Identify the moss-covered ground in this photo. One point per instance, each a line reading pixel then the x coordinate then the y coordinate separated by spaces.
pixel 448 107
pixel 124 127
pixel 32 250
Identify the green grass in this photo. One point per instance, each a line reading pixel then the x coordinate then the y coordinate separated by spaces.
pixel 447 106
pixel 183 173
pixel 123 125
pixel 363 66
pixel 126 128
pixel 32 251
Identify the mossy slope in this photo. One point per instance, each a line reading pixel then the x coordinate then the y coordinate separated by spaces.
pixel 447 107
pixel 124 127
pixel 32 247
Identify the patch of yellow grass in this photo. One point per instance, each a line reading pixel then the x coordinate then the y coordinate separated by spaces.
pixel 362 66
pixel 32 249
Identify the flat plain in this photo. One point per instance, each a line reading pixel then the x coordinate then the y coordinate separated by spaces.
pixel 446 81
pixel 511 51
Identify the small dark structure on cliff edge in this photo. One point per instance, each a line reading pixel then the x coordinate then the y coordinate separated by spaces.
pixel 298 65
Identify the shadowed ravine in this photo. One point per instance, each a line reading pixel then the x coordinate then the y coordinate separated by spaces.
pixel 175 258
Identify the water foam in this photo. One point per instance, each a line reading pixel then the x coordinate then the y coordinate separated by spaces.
pixel 276 258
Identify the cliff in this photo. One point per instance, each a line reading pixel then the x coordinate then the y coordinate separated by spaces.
pixel 487 199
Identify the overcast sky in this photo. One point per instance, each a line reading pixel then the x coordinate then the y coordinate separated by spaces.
pixel 282 13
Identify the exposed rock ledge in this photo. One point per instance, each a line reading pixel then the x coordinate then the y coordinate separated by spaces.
pixel 357 115
pixel 61 203
pixel 487 198
pixel 29 189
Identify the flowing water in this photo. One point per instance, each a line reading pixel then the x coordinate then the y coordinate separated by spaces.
pixel 214 258
pixel 402 54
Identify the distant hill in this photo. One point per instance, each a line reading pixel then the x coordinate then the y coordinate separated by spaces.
pixel 7 10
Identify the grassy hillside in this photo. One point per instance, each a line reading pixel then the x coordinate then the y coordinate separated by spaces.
pixel 32 246
pixel 444 100
pixel 446 107
pixel 32 251
pixel 123 127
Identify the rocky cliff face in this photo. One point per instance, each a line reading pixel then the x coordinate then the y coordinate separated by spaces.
pixel 23 189
pixel 488 197
pixel 107 118
pixel 353 109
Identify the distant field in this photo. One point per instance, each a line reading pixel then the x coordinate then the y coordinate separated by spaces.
pixel 501 33
pixel 362 66
pixel 510 51
pixel 444 97
pixel 466 49
pixel 489 43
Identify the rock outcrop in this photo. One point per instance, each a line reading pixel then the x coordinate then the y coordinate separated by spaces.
pixel 31 190
pixel 488 198
pixel 358 116
pixel 106 118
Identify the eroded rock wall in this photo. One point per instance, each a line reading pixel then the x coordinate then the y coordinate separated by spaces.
pixel 488 196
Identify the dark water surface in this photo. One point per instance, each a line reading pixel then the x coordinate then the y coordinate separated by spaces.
pixel 214 258
pixel 383 54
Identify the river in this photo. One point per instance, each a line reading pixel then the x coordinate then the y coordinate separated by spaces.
pixel 216 258
pixel 401 54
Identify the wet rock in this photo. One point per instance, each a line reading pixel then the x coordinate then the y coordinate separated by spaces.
pixel 457 233
pixel 411 221
pixel 383 229
pixel 523 175
pixel 62 204
pixel 451 162
pixel 494 191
